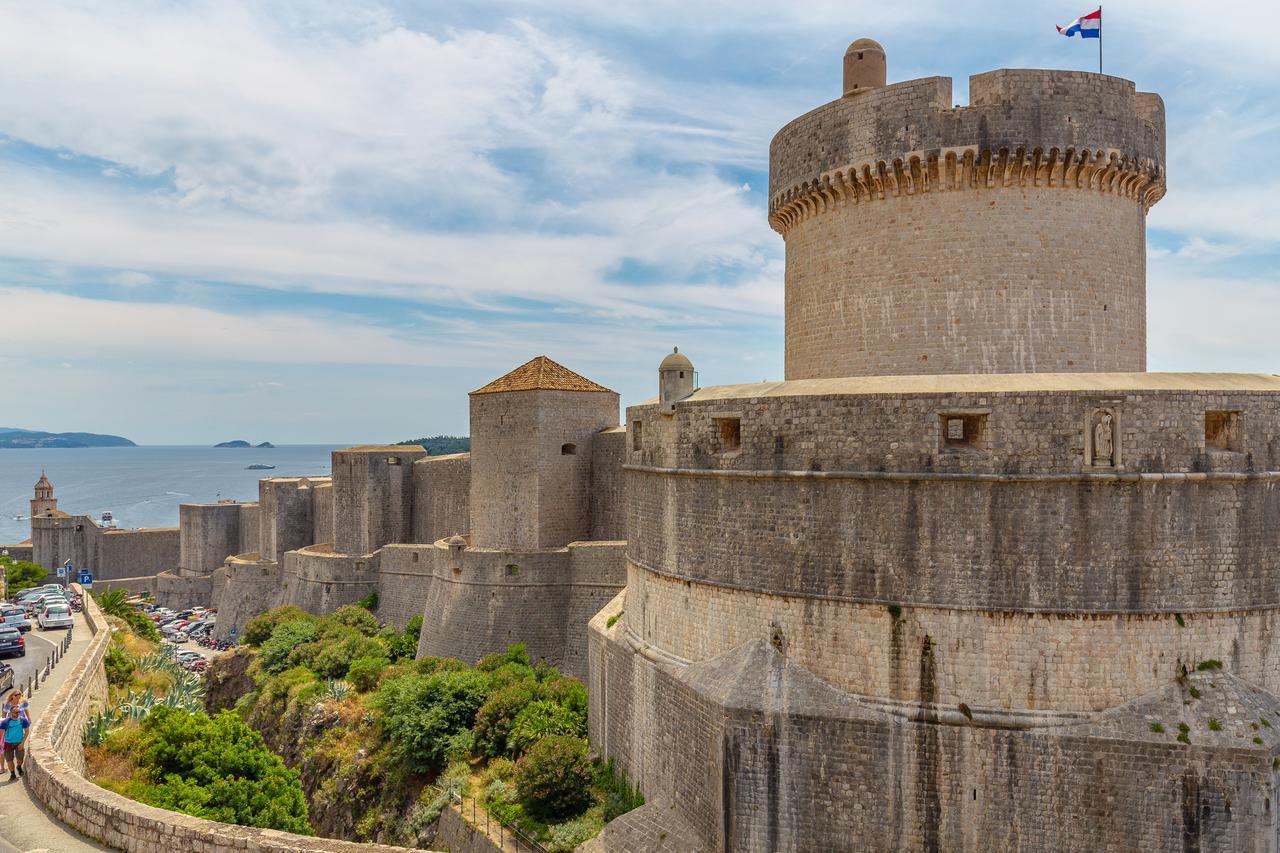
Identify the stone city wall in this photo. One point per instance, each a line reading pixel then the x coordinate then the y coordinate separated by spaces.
pixel 988 659
pixel 55 768
pixel 754 753
pixel 373 496
pixel 250 531
pixel 209 534
pixel 404 578
pixel 319 580
pixel 481 600
pixel 441 497
pixel 322 519
pixel 20 551
pixel 250 585
pixel 180 591
pixel 608 491
pixel 285 520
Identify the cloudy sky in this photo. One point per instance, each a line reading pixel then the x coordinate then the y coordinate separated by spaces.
pixel 327 221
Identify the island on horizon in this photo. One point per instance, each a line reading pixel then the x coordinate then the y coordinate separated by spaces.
pixel 241 443
pixel 14 438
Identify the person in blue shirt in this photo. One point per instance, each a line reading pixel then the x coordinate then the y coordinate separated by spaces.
pixel 15 727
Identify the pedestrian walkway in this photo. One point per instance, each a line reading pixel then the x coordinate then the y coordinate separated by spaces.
pixel 24 824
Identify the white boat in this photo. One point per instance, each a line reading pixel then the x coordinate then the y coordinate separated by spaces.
pixel 108 520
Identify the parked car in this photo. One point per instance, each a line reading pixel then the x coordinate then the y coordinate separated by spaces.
pixel 6 678
pixel 11 642
pixel 177 638
pixel 55 616
pixel 35 605
pixel 12 614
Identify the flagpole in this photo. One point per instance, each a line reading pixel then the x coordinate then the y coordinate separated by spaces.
pixel 1099 38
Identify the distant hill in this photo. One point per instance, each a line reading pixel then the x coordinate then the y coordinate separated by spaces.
pixel 239 442
pixel 442 445
pixel 12 437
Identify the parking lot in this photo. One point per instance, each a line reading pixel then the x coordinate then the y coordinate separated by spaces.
pixel 186 632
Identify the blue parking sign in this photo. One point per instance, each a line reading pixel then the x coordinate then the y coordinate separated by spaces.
pixel 86 577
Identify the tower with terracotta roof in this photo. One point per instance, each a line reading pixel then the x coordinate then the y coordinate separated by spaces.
pixel 44 501
pixel 531 434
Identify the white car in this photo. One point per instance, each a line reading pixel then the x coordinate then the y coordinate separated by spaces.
pixel 55 616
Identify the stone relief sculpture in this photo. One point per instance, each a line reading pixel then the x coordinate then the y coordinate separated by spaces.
pixel 1103 438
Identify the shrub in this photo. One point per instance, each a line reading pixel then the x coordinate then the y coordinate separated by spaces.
pixel 553 779
pixel 403 645
pixel 262 626
pixel 274 654
pixel 515 653
pixel 511 673
pixel 369 602
pixel 119 666
pixel 495 717
pixel 620 796
pixel 461 745
pixel 429 665
pixel 1214 725
pixel 1207 665
pixel 498 770
pixel 21 574
pixel 565 837
pixel 569 692
pixel 356 617
pixel 216 768
pixel 334 660
pixel 363 672
pixel 539 719
pixel 421 712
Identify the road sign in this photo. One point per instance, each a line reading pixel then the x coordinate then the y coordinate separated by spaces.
pixel 231 633
pixel 62 571
pixel 86 577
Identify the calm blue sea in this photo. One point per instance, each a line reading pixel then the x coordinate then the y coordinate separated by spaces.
pixel 142 486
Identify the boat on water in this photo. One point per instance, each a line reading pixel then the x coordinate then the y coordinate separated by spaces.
pixel 107 520
pixel 259 467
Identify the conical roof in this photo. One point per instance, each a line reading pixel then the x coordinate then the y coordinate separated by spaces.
pixel 43 482
pixel 541 374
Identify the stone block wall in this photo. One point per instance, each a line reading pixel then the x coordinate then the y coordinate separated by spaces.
pixel 373 496
pixel 441 497
pixel 481 600
pixel 20 551
pixel 531 466
pixel 250 532
pixel 608 491
pixel 249 586
pixel 209 533
pixel 322 520
pixel 404 582
pixel 130 553
pixel 180 591
pixel 285 516
pixel 320 580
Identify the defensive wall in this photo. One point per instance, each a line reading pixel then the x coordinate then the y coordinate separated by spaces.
pixel 1062 166
pixel 55 776
pixel 481 600
pixel 20 551
pixel 441 496
pixel 57 537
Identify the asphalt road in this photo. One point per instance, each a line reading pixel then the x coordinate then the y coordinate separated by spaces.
pixel 40 646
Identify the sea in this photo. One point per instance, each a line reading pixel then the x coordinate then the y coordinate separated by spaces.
pixel 143 486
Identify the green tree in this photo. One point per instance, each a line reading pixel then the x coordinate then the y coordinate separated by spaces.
pixel 20 574
pixel 217 768
pixel 553 779
pixel 498 713
pixel 274 653
pixel 421 712
pixel 539 719
pixel 355 617
pixel 261 627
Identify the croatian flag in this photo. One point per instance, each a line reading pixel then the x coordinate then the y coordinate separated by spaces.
pixel 1087 27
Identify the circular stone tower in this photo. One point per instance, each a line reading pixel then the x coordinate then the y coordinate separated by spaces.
pixel 1007 236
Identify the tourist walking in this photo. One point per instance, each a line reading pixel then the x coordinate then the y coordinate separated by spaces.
pixel 15 699
pixel 15 740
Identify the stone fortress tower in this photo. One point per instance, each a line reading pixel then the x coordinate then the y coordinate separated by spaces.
pixel 968 579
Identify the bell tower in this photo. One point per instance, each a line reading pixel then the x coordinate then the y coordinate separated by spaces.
pixel 44 501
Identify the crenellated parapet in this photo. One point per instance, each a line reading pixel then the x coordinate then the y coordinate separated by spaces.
pixel 972 167
pixel 1023 127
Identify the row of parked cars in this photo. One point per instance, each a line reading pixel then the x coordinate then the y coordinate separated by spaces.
pixel 178 627
pixel 48 606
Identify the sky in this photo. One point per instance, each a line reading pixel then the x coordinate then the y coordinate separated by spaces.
pixel 326 222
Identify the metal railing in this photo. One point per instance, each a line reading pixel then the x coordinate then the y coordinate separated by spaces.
pixel 32 684
pixel 482 821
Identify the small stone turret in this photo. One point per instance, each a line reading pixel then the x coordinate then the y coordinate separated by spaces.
pixel 865 67
pixel 676 380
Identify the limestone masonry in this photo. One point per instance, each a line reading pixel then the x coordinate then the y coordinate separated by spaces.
pixel 516 541
pixel 968 579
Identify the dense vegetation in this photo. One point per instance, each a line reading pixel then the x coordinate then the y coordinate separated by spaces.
pixel 153 741
pixel 384 741
pixel 20 574
pixel 442 445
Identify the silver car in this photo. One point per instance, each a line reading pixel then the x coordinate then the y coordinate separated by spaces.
pixel 11 614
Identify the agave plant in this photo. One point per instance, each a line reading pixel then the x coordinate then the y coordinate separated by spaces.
pixel 336 689
pixel 98 726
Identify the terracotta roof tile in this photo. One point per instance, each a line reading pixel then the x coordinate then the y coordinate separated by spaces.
pixel 541 374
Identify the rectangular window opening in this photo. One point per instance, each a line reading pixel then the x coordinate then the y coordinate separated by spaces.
pixel 729 431
pixel 1222 431
pixel 393 460
pixel 635 434
pixel 963 431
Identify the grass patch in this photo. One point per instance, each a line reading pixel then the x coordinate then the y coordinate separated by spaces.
pixel 1158 728
pixel 1195 694
pixel 1214 725
pixel 1184 733
pixel 895 610
pixel 1182 623
pixel 1209 665
pixel 613 620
